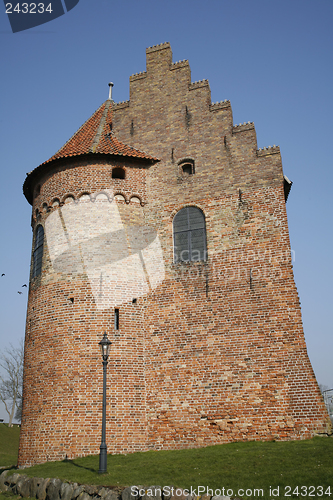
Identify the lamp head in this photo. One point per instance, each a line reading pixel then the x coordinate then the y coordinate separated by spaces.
pixel 105 345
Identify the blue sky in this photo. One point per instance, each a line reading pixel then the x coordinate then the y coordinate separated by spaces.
pixel 273 60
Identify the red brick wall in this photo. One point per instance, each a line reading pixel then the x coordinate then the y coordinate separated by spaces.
pixel 63 369
pixel 216 352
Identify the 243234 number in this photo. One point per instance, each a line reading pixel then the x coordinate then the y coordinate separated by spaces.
pixel 28 8
pixel 307 491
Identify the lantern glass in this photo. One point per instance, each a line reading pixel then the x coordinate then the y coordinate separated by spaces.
pixel 104 345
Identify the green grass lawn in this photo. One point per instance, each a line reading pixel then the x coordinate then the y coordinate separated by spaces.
pixel 9 442
pixel 247 466
pixel 234 466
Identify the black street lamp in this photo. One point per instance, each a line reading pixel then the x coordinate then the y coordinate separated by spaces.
pixel 104 345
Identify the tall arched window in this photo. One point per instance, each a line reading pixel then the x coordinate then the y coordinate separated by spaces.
pixel 38 252
pixel 189 235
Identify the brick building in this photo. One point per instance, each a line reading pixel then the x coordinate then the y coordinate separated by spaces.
pixel 161 223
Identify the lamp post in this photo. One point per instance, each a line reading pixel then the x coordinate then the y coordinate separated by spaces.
pixel 104 345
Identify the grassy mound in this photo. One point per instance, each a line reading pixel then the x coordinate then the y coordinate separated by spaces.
pixel 250 466
pixel 265 470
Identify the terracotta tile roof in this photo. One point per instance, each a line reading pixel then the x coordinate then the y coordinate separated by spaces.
pixel 95 136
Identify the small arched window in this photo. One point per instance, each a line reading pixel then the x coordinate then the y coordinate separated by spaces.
pixel 189 235
pixel 38 252
pixel 118 173
pixel 186 167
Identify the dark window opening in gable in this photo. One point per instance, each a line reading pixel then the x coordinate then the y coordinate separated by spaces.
pixel 189 236
pixel 118 173
pixel 186 167
pixel 38 252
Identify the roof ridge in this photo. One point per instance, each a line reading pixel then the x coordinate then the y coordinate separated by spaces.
pixel 100 129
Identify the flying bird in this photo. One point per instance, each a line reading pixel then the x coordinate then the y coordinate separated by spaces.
pixel 24 285
pixel 20 293
pixel 3 274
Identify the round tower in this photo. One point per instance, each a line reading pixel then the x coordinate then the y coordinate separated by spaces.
pixel 88 275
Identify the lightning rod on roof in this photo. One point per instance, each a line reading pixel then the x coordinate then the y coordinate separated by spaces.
pixel 110 90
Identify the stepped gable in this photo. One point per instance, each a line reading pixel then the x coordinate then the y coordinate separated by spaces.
pixel 95 136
